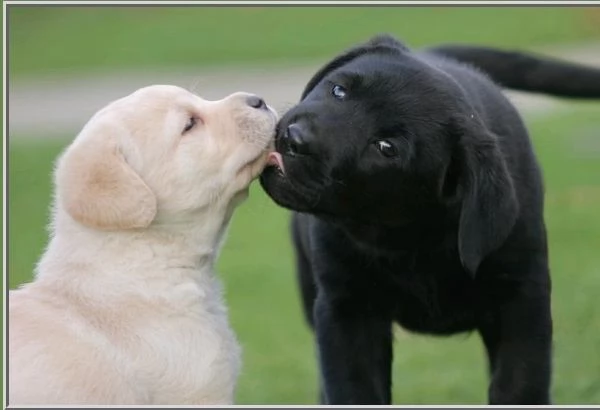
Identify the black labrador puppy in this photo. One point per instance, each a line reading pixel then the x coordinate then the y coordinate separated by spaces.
pixel 419 200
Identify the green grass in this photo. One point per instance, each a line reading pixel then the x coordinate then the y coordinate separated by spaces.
pixel 75 39
pixel 256 266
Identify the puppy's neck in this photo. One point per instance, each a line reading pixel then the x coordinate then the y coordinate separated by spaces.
pixel 197 239
pixel 189 246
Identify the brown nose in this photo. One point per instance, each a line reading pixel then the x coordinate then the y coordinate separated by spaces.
pixel 255 101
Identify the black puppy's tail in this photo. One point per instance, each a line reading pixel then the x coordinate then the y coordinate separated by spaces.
pixel 528 72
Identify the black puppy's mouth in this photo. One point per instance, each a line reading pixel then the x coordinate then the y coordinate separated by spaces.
pixel 275 160
pixel 286 190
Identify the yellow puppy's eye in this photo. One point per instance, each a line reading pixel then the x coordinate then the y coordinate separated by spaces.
pixel 190 124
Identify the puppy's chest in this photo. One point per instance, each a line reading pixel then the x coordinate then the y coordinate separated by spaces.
pixel 433 294
pixel 188 357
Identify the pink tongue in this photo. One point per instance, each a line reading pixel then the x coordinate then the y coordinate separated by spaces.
pixel 274 158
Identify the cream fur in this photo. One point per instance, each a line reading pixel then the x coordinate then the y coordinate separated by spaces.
pixel 125 307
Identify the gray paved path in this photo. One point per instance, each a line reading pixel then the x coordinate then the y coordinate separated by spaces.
pixel 60 106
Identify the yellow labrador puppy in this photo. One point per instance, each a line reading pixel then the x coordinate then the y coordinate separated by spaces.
pixel 125 307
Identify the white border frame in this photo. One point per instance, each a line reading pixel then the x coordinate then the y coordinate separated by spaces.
pixel 230 3
pixel 312 3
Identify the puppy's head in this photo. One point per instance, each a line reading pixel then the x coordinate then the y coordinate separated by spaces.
pixel 367 139
pixel 382 137
pixel 162 153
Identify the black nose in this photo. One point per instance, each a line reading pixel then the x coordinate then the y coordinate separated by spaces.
pixel 256 102
pixel 296 139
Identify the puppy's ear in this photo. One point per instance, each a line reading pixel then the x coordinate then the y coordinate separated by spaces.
pixel 383 43
pixel 97 187
pixel 489 204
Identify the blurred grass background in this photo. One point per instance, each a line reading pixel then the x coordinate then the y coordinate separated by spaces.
pixel 256 264
pixel 47 39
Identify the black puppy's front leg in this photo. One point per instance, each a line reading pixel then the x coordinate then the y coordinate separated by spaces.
pixel 518 340
pixel 355 351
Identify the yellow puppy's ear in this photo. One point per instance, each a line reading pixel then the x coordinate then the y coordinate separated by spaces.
pixel 97 187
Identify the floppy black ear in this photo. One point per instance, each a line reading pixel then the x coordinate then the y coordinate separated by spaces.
pixel 489 206
pixel 381 43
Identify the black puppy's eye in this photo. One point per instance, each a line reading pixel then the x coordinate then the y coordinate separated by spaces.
pixel 190 124
pixel 338 92
pixel 386 148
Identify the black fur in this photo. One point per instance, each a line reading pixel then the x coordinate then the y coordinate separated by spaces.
pixel 446 235
pixel 514 69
